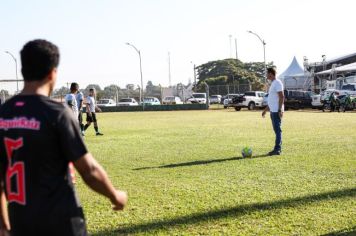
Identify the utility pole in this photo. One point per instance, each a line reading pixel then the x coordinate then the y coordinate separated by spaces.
pixel 141 89
pixel 230 36
pixel 264 52
pixel 169 70
pixel 236 48
pixel 17 80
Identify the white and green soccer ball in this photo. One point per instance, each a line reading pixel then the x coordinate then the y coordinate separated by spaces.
pixel 246 152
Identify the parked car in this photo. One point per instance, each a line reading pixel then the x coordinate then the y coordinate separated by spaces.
pixel 296 99
pixel 200 98
pixel 171 100
pixel 215 99
pixel 316 101
pixel 151 101
pixel 127 102
pixel 250 99
pixel 106 103
pixel 228 99
pixel 349 87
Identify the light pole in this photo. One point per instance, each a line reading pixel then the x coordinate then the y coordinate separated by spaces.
pixel 139 55
pixel 264 51
pixel 17 80
pixel 195 77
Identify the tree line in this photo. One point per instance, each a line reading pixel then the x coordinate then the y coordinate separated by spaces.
pixel 232 71
pixel 113 91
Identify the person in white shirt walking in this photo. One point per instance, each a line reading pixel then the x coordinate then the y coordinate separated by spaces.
pixel 90 109
pixel 276 109
pixel 71 100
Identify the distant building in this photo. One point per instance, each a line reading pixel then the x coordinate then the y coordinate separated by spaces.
pixel 333 69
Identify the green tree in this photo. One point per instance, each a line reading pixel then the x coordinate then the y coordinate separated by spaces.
pixel 152 90
pixel 98 92
pixel 232 71
pixel 94 86
pixel 111 91
pixel 61 92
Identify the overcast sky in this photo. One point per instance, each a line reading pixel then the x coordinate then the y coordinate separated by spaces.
pixel 92 34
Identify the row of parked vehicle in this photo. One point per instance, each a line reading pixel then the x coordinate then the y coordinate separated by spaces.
pixel 295 99
pixel 200 98
pixel 333 99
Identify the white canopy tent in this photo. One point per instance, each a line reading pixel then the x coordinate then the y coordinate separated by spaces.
pixel 294 76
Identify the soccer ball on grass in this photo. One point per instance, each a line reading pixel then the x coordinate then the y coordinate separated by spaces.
pixel 246 152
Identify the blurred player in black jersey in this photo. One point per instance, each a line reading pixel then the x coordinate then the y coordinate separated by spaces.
pixel 38 139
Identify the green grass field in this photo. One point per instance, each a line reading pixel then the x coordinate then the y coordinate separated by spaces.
pixel 184 174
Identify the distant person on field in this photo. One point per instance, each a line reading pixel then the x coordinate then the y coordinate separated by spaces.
pixel 38 139
pixel 71 100
pixel 276 108
pixel 80 100
pixel 90 109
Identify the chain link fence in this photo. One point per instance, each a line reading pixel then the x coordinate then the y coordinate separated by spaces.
pixel 228 89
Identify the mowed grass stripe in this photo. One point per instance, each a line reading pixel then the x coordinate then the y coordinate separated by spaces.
pixel 178 165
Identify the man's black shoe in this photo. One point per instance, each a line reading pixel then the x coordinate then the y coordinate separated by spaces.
pixel 274 153
pixel 99 134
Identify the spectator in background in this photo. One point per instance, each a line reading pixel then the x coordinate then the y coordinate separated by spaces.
pixel 91 107
pixel 71 100
pixel 80 101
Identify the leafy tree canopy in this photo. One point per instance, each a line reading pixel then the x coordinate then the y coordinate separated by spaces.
pixel 229 71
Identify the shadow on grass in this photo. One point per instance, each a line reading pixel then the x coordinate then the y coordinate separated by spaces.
pixel 236 211
pixel 204 162
pixel 344 232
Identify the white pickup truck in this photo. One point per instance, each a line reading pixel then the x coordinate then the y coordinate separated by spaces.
pixel 251 100
pixel 200 98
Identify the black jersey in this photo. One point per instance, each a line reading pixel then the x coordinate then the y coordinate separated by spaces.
pixel 38 139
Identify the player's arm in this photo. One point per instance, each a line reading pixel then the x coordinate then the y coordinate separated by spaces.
pixel 4 217
pixel 81 102
pixel 280 100
pixel 265 110
pixel 96 178
pixel 97 108
pixel 280 103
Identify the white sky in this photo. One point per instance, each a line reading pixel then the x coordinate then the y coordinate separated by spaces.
pixel 92 34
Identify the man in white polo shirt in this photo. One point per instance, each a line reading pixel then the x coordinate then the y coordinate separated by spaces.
pixel 276 108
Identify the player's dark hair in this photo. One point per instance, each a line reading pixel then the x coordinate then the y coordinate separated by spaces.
pixel 38 58
pixel 91 90
pixel 74 87
pixel 271 70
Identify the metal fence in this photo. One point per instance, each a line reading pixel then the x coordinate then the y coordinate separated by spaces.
pixel 184 92
pixel 228 89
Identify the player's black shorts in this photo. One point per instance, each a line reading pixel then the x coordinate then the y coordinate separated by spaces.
pixel 91 118
pixel 71 227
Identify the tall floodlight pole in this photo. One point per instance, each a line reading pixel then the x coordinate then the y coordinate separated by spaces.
pixel 264 51
pixel 236 48
pixel 195 76
pixel 169 70
pixel 139 55
pixel 17 80
pixel 230 36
